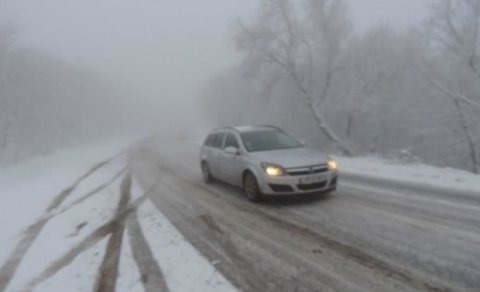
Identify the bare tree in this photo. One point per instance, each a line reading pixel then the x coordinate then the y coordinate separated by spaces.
pixel 367 58
pixel 307 52
pixel 455 31
pixel 460 102
pixel 456 28
pixel 367 89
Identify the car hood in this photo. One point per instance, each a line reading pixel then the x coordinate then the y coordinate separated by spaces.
pixel 292 157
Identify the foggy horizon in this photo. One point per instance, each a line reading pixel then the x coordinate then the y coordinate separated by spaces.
pixel 167 50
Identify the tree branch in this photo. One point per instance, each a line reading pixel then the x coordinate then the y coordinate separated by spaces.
pixel 454 95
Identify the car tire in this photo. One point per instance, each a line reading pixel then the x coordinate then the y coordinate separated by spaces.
pixel 207 175
pixel 251 187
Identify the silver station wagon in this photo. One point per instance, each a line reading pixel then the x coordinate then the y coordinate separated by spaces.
pixel 265 160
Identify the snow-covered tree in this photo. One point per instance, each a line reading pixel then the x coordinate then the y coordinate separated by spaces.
pixel 454 28
pixel 305 49
pixel 384 91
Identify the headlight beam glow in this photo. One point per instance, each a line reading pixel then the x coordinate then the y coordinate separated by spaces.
pixel 332 165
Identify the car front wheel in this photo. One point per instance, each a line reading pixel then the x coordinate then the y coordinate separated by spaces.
pixel 251 188
pixel 207 175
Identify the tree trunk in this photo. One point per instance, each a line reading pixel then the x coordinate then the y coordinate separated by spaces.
pixel 318 117
pixel 469 137
pixel 374 146
pixel 349 125
pixel 320 121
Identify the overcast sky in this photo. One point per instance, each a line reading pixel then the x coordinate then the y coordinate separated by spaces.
pixel 169 48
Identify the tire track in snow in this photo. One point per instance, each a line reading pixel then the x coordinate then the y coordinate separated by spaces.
pixel 152 278
pixel 90 194
pixel 92 239
pixel 9 268
pixel 108 272
pixel 346 250
pixel 349 251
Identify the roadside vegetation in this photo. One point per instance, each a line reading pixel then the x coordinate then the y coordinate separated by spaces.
pixel 46 103
pixel 410 94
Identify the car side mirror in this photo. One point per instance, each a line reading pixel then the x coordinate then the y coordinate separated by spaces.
pixel 232 151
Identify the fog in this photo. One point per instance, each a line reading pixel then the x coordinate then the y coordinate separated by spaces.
pixel 167 49
pixel 399 14
pixel 154 62
pixel 121 169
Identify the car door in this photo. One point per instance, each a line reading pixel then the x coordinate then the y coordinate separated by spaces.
pixel 216 155
pixel 231 164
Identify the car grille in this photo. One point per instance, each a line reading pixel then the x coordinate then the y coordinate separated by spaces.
pixel 281 188
pixel 312 186
pixel 306 170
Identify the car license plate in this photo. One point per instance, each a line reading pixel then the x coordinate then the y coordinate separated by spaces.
pixel 312 179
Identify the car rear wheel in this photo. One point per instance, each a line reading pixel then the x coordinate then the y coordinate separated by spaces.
pixel 207 175
pixel 251 188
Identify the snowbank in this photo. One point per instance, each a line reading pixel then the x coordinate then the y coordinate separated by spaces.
pixel 419 176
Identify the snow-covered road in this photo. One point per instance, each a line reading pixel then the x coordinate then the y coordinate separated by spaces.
pixel 363 237
pixel 78 221
pixel 102 219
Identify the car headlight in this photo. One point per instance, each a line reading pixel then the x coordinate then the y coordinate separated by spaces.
pixel 273 169
pixel 332 164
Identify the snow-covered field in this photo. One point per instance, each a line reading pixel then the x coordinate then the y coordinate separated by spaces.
pixel 64 205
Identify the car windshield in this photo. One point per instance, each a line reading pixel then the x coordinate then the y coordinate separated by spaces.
pixel 268 140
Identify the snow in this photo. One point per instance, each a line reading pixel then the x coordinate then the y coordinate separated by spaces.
pixel 28 188
pixel 62 233
pixel 98 178
pixel 420 174
pixel 184 268
pixel 78 276
pixel 39 180
pixel 129 279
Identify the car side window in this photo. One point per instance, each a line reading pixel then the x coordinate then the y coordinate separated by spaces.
pixel 231 141
pixel 218 140
pixel 209 140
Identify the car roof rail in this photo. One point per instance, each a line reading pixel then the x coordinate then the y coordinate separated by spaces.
pixel 238 129
pixel 270 126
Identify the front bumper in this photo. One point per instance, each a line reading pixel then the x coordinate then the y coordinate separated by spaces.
pixel 293 185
